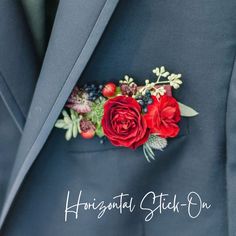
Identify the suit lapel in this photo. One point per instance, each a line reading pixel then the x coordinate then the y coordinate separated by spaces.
pixel 78 26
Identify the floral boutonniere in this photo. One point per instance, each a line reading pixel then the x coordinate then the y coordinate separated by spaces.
pixel 127 114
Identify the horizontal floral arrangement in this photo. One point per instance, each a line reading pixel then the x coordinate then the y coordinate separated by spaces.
pixel 127 114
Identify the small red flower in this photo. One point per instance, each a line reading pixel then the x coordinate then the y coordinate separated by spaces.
pixel 123 123
pixel 162 116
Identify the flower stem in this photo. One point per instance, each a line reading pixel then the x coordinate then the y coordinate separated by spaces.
pixel 164 82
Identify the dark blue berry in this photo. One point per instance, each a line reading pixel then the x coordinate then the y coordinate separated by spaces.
pixel 93 91
pixel 145 100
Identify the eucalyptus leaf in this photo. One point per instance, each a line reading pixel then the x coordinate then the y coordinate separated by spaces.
pixel 187 111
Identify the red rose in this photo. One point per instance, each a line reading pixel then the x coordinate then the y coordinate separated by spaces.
pixel 123 123
pixel 162 116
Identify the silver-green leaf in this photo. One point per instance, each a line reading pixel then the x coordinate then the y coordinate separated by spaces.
pixel 75 130
pixel 71 123
pixel 60 124
pixel 187 111
pixel 68 134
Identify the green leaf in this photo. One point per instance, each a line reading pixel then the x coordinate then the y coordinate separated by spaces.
pixel 67 120
pixel 118 91
pixel 71 123
pixel 68 135
pixel 64 113
pixel 162 70
pixel 78 127
pixel 96 113
pixel 187 111
pixel 99 131
pixel 60 124
pixel 75 130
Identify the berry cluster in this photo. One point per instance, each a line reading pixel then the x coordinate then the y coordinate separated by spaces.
pixel 145 100
pixel 93 91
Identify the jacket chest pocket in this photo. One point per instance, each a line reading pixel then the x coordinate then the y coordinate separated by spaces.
pixel 97 145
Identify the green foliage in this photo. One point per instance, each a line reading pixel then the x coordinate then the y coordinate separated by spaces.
pixel 71 123
pixel 99 131
pixel 118 91
pixel 96 115
pixel 186 110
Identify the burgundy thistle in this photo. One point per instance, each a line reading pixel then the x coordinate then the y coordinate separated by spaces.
pixel 78 101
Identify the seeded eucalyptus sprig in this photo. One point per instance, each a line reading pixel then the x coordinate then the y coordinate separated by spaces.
pixel 127 80
pixel 173 80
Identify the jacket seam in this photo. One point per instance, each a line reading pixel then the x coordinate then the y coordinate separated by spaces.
pixel 226 139
pixel 18 121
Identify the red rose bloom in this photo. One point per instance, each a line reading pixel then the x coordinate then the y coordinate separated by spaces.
pixel 123 123
pixel 162 116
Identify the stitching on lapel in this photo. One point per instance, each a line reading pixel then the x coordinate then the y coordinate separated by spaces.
pixel 11 104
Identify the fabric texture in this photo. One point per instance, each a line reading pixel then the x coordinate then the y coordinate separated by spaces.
pixel 18 75
pixel 196 38
pixel 230 150
pixel 40 15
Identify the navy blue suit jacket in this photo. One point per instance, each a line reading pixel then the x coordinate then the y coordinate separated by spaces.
pixel 98 41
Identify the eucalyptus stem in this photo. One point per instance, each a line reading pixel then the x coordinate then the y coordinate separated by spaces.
pixel 159 77
pixel 164 82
